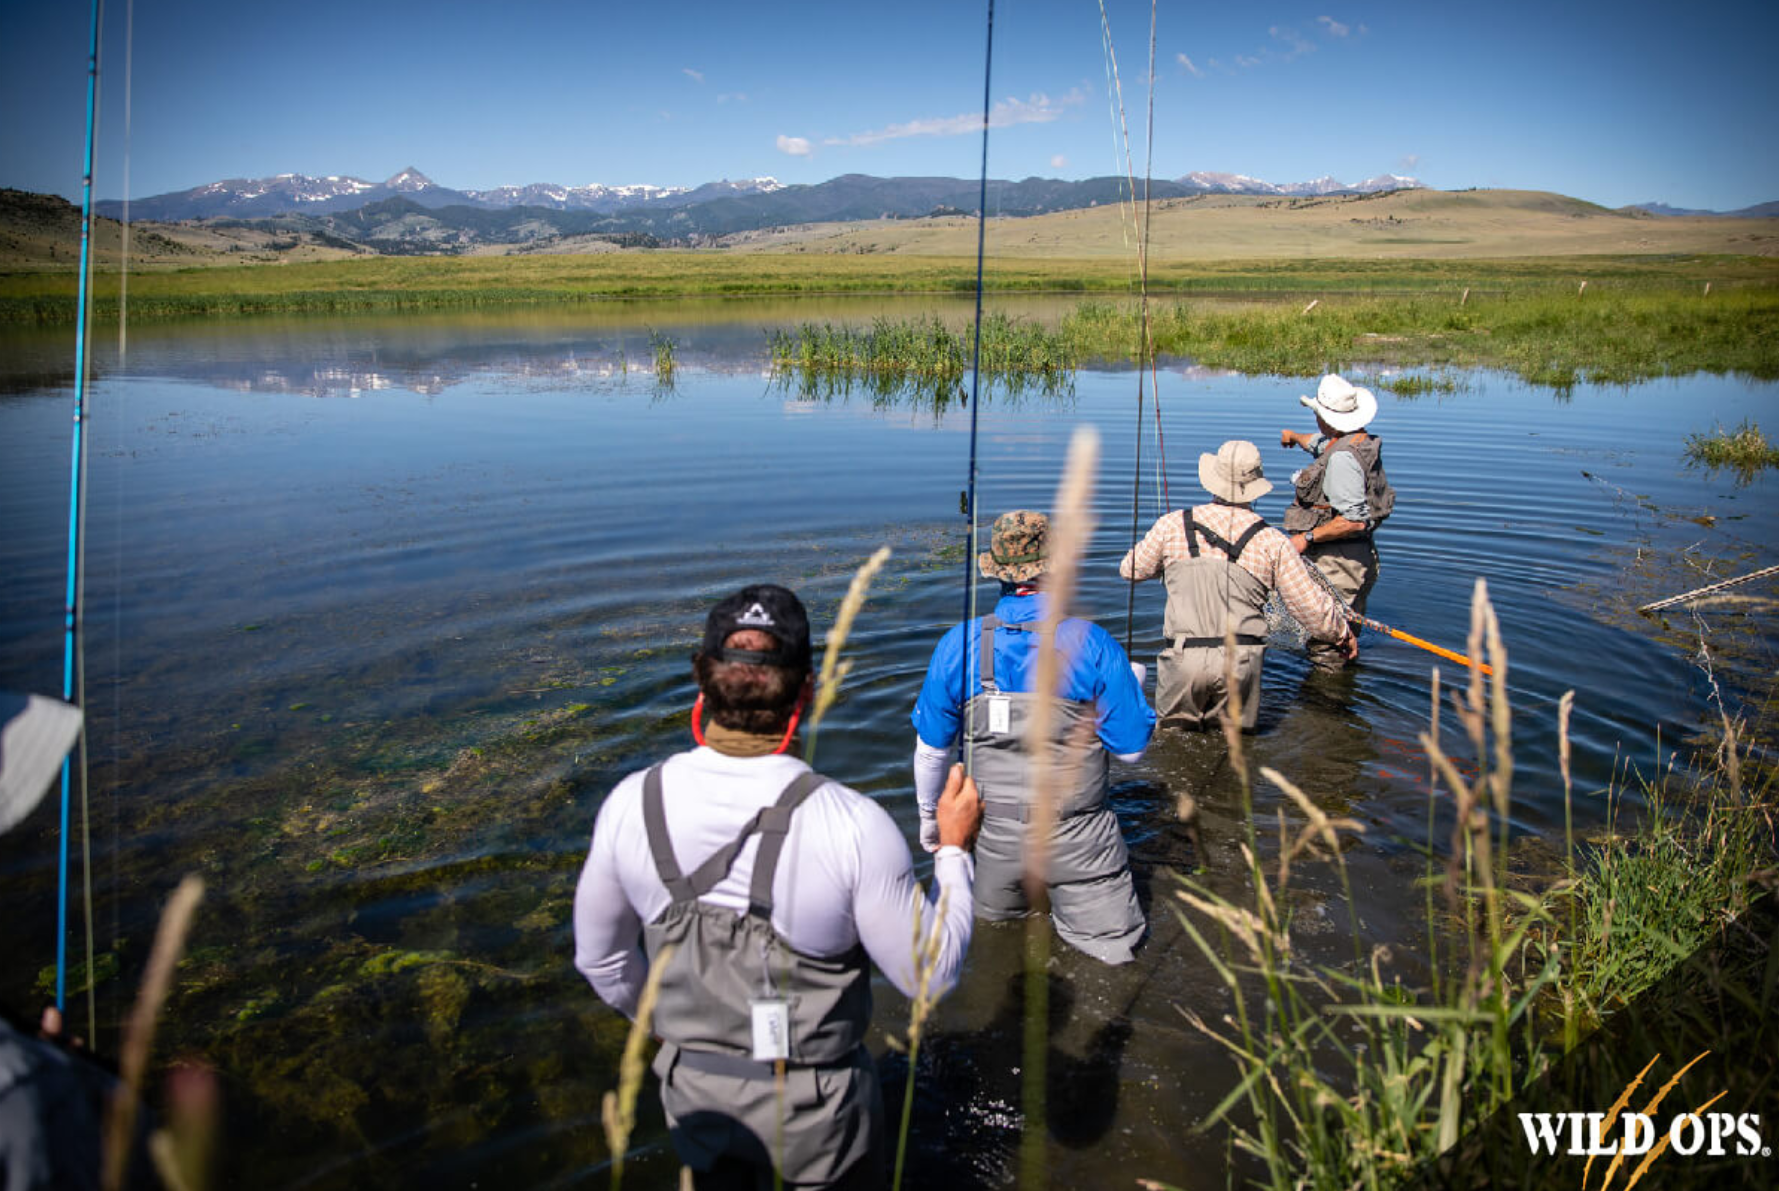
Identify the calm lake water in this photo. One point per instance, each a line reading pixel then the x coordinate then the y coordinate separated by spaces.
pixel 378 611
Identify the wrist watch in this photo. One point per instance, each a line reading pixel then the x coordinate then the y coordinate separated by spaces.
pixel 1309 536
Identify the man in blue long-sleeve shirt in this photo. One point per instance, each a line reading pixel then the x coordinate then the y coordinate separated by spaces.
pixel 982 673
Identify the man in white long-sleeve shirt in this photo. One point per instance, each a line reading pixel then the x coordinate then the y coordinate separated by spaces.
pixel 776 888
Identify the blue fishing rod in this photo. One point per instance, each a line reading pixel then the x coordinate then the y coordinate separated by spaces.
pixel 76 503
pixel 970 642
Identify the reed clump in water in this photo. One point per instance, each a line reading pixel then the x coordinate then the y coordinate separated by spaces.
pixel 1351 1078
pixel 892 355
pixel 664 350
pixel 1744 450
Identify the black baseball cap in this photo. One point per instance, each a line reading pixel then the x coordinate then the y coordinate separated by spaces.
pixel 770 609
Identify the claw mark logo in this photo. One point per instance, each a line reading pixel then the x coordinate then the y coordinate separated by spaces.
pixel 1618 1134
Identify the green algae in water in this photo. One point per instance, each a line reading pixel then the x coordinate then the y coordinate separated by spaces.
pixel 105 969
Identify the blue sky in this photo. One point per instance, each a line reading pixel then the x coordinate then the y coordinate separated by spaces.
pixel 1616 103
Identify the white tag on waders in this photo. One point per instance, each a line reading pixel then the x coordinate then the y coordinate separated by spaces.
pixel 772 1030
pixel 1000 713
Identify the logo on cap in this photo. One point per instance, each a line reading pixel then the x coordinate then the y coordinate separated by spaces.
pixel 756 615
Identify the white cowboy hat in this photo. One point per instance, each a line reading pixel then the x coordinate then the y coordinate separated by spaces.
pixel 1344 406
pixel 1234 472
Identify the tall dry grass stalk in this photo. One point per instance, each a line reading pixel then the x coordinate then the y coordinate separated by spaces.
pixel 926 961
pixel 1349 1079
pixel 1071 527
pixel 834 671
pixel 618 1110
pixel 138 1040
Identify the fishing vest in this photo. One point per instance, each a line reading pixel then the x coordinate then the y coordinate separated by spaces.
pixel 1000 763
pixel 723 961
pixel 1311 509
pixel 1203 590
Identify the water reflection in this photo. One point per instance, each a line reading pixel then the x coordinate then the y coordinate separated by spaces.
pixel 371 664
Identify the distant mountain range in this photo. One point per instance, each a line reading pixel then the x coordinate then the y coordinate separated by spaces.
pixel 252 198
pixel 854 196
pixel 1758 211
pixel 410 213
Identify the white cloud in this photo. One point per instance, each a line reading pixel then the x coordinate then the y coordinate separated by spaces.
pixel 1409 161
pixel 1059 162
pixel 732 97
pixel 1333 27
pixel 796 146
pixel 1039 109
pixel 1192 70
pixel 697 76
pixel 1245 60
pixel 1295 45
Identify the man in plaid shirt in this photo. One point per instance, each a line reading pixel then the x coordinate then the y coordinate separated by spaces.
pixel 1220 560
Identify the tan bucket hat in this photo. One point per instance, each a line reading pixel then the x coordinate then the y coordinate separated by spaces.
pixel 1017 547
pixel 1234 473
pixel 1343 405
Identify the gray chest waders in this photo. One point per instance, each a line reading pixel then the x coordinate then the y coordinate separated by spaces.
pixel 723 961
pixel 1092 899
pixel 1350 564
pixel 824 1119
pixel 1202 592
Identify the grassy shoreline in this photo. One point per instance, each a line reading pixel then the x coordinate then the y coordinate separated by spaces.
pixel 1551 321
pixel 1558 340
pixel 418 283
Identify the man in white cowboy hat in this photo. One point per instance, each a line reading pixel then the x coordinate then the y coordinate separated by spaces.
pixel 982 674
pixel 1219 561
pixel 1341 498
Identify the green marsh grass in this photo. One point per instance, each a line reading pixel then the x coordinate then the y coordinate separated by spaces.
pixel 1348 1077
pixel 1545 338
pixel 892 356
pixel 666 361
pixel 1744 450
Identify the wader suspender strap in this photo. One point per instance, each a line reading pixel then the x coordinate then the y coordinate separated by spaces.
pixel 1234 551
pixel 987 649
pixel 1000 808
pixel 773 823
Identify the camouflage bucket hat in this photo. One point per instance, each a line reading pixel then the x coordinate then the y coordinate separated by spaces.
pixel 1017 548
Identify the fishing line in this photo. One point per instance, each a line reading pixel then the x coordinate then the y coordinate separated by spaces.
pixel 73 681
pixel 1145 346
pixel 1136 480
pixel 117 535
pixel 1148 342
pixel 975 406
pixel 1114 98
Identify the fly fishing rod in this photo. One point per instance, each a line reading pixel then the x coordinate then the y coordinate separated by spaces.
pixel 72 686
pixel 1378 626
